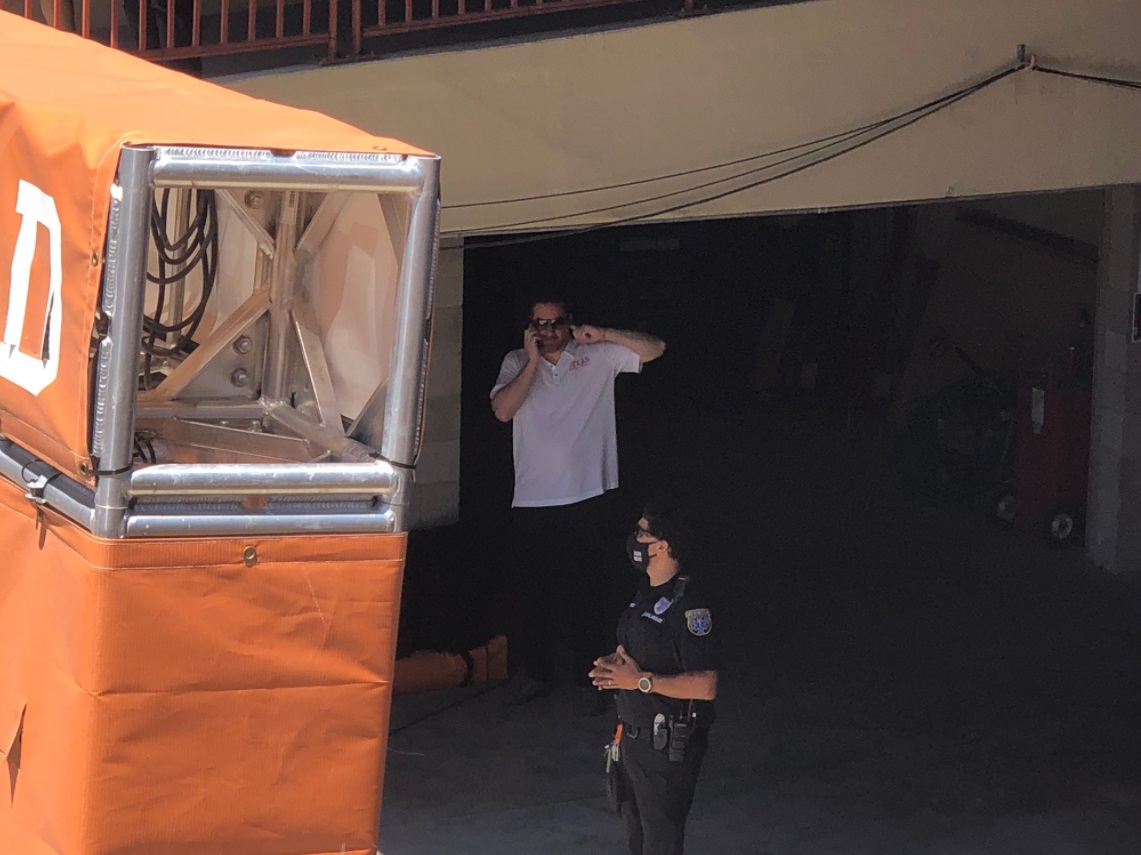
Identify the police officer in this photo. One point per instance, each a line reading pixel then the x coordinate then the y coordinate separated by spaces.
pixel 665 674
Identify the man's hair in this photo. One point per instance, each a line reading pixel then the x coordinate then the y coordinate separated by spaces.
pixel 552 299
pixel 668 520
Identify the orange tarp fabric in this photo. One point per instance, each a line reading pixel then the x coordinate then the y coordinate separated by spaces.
pixel 177 697
pixel 67 107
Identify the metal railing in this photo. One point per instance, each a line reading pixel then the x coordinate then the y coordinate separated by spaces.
pixel 179 30
pixel 190 29
pixel 397 16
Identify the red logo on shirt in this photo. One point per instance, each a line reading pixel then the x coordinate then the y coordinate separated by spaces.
pixel 579 363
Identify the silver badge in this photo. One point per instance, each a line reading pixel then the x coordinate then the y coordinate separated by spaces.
pixel 699 621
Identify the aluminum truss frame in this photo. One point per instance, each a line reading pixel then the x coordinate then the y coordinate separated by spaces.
pixel 295 469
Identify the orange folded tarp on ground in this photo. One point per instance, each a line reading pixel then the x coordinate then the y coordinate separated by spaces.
pixel 67 107
pixel 428 670
pixel 198 696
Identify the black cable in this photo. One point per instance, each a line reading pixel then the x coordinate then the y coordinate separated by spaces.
pixel 646 200
pixel 914 115
pixel 697 170
pixel 1093 78
pixel 196 242
pixel 144 448
pixel 149 344
pixel 193 240
pixel 196 247
pixel 667 176
pixel 837 139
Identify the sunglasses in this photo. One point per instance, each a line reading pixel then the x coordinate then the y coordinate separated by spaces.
pixel 548 323
pixel 639 530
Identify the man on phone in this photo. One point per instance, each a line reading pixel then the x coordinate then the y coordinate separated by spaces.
pixel 558 392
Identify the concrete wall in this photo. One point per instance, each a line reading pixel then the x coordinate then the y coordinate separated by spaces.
pixel 596 108
pixel 1113 532
pixel 436 497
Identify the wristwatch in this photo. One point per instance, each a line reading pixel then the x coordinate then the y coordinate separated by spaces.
pixel 646 684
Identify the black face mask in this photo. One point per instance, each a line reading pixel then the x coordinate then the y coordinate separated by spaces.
pixel 637 552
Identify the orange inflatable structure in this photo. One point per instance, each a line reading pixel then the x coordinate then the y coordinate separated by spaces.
pixel 215 316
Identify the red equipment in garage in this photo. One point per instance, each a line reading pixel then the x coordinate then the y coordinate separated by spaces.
pixel 1051 460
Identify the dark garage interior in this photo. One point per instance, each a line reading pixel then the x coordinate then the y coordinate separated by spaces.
pixel 907 665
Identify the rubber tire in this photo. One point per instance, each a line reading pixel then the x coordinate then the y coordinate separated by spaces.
pixel 1003 506
pixel 1063 528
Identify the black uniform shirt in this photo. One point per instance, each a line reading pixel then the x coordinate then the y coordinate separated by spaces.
pixel 667 633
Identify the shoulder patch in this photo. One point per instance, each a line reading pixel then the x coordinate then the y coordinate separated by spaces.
pixel 699 621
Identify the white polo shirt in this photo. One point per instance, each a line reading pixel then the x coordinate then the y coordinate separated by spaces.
pixel 566 442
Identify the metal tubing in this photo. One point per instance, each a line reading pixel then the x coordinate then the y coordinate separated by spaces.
pixel 332 438
pixel 320 226
pixel 284 280
pixel 114 25
pixel 196 363
pixel 237 410
pixel 72 499
pixel 127 259
pixel 215 443
pixel 403 407
pixel 264 479
pixel 231 507
pixel 107 306
pixel 242 213
pixel 209 525
pixel 306 170
pixel 312 352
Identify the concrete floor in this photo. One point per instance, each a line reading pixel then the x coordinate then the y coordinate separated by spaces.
pixel 898 678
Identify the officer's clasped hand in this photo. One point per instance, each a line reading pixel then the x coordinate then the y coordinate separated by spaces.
pixel 616 671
